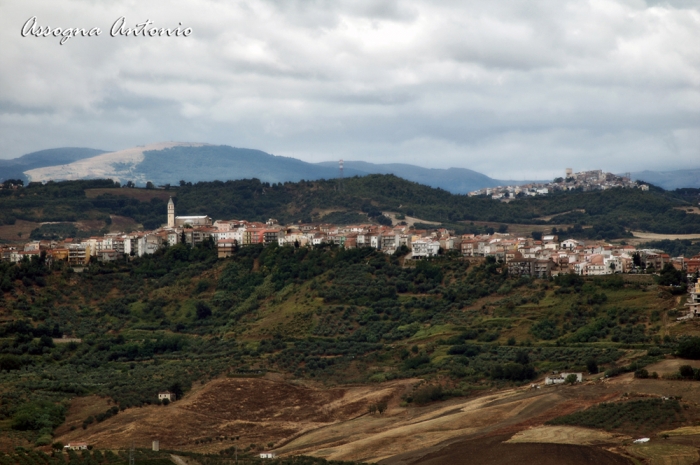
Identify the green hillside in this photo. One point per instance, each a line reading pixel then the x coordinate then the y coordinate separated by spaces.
pixel 332 315
pixel 595 215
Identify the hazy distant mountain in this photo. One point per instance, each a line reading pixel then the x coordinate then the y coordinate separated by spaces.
pixel 15 168
pixel 670 180
pixel 455 180
pixel 170 162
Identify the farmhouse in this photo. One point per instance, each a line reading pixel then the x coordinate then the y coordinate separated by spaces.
pixel 76 446
pixel 167 395
pixel 559 378
pixel 267 455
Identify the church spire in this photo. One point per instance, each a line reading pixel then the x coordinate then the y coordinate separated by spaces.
pixel 171 213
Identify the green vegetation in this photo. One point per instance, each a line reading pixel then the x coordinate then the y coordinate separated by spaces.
pixel 675 248
pixel 594 215
pixel 633 415
pixel 689 348
pixel 182 315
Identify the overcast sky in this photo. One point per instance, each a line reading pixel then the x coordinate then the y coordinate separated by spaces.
pixel 513 89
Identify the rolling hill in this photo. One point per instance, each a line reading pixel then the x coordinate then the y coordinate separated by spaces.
pixel 670 180
pixel 15 168
pixel 168 163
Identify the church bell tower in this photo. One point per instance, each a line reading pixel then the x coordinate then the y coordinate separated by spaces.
pixel 171 213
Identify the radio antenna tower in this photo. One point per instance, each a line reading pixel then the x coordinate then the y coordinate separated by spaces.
pixel 340 176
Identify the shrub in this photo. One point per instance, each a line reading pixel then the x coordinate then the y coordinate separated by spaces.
pixel 427 394
pixel 38 415
pixel 689 348
pixel 686 371
pixel 592 366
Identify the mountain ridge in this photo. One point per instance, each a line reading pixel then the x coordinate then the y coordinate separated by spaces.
pixel 170 162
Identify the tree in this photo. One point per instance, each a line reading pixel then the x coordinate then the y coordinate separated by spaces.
pixel 149 185
pixel 203 310
pixel 571 379
pixel 381 407
pixel 592 366
pixel 637 259
pixel 176 388
pixel 670 276
pixel 686 371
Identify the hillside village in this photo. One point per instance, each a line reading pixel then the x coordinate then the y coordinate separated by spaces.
pixel 543 258
pixel 584 180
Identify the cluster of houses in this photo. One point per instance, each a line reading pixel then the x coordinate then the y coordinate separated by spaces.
pixel 523 255
pixel 584 180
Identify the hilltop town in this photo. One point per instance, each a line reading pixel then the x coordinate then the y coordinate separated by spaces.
pixel 584 181
pixel 543 258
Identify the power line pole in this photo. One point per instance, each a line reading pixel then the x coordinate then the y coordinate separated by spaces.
pixel 131 454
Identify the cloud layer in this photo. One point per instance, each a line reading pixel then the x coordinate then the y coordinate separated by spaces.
pixel 513 89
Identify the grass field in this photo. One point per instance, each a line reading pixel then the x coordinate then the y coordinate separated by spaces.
pixel 655 453
pixel 18 232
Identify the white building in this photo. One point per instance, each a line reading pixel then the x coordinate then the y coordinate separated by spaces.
pixel 167 395
pixel 560 378
pixel 425 248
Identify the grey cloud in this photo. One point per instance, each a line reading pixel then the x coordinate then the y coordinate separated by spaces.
pixel 509 88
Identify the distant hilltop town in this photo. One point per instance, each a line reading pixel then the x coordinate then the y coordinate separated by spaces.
pixel 585 180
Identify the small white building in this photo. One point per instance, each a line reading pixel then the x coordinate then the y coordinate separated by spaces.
pixel 267 455
pixel 167 395
pixel 76 446
pixel 559 378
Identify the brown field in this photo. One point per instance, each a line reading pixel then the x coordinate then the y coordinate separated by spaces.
pixel 566 435
pixel 410 220
pixel 548 218
pixel 123 224
pixel 494 427
pixel 664 453
pixel 670 366
pixel 691 210
pixel 657 237
pixel 493 450
pixel 400 430
pixel 142 195
pixel 9 232
pixel 257 410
